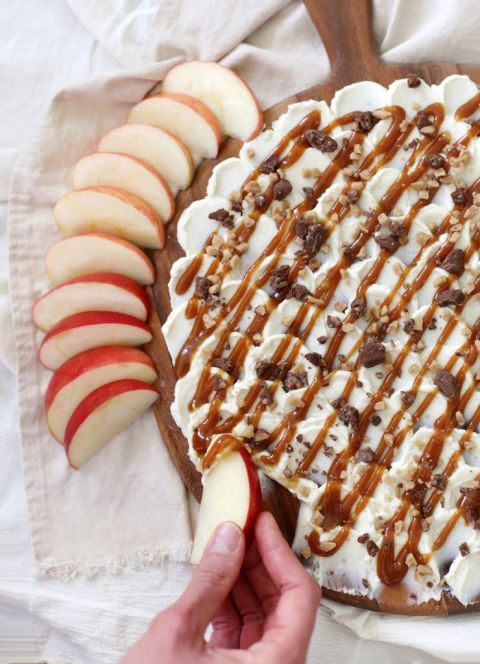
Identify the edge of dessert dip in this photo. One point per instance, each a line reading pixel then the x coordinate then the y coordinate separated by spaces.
pixel 325 316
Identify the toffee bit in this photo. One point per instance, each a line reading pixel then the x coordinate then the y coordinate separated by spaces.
pixel 454 262
pixel 364 122
pixel 413 81
pixel 281 189
pixel 446 383
pixel 358 307
pixel 388 242
pixel 450 296
pixel 460 196
pixel 269 165
pixel 353 196
pixel 316 359
pixel 294 381
pixel 320 140
pixel 223 363
pixel 372 354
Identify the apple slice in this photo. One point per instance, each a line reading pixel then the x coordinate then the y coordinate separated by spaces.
pixel 186 118
pixel 168 156
pixel 90 329
pixel 102 415
pixel 224 92
pixel 231 492
pixel 104 291
pixel 88 253
pixel 86 372
pixel 125 172
pixel 109 210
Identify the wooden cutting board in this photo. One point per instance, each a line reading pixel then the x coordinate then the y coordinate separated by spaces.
pixel 345 27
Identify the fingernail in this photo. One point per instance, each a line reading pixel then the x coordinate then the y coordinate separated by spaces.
pixel 226 538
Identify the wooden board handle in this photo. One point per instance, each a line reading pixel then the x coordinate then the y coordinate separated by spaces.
pixel 345 27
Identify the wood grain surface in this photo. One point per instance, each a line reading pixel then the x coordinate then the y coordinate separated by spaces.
pixel 345 27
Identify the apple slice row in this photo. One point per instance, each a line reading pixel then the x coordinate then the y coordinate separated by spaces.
pixel 86 372
pixel 90 329
pixel 102 415
pixel 103 291
pixel 89 253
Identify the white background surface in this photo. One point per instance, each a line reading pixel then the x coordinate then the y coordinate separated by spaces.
pixel 44 47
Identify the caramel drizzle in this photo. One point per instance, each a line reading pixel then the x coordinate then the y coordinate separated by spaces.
pixel 330 504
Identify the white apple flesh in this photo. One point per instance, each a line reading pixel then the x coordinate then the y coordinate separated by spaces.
pixel 87 371
pixel 129 173
pixel 225 93
pixel 89 253
pixel 165 153
pixel 109 210
pixel 102 415
pixel 231 492
pixel 187 118
pixel 90 329
pixel 103 291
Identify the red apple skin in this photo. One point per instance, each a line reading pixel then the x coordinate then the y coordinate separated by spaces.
pixel 95 399
pixel 256 501
pixel 105 278
pixel 91 318
pixel 111 238
pixel 92 359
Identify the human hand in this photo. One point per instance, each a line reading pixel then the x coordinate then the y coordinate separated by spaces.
pixel 261 613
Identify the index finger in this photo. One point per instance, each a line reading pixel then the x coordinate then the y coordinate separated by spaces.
pixel 293 619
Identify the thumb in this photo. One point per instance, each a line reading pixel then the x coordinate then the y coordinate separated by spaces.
pixel 214 577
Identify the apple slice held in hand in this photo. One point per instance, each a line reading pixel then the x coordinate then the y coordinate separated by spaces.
pixel 86 372
pixel 103 291
pixel 102 415
pixel 122 171
pixel 90 329
pixel 109 210
pixel 165 153
pixel 187 118
pixel 89 253
pixel 224 92
pixel 231 492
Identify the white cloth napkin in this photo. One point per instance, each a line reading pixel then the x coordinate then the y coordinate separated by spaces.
pixel 280 54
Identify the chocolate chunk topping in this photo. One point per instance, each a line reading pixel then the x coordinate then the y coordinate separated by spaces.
pixel 281 189
pixel 338 403
pixel 372 548
pixel 266 370
pixel 261 200
pixel 201 287
pixel 314 238
pixel 332 321
pixel 372 353
pixel 321 340
pixel 300 292
pixel 358 307
pixel 453 263
pixel 375 420
pixel 464 549
pixel 446 383
pixel 282 369
pixel 353 196
pixel 388 242
pixel 320 141
pixel 413 81
pixel 450 296
pixel 279 282
pixel 301 228
pixel 223 363
pixel 349 416
pixel 423 120
pixel 459 196
pixel 439 482
pixel 309 192
pixel 408 325
pixel 265 396
pixel 436 160
pixel 218 215
pixel 315 358
pixel 269 165
pixel 398 229
pixel 363 538
pixel 366 454
pixel 294 381
pixel 417 498
pixel 364 121
pixel 407 398
pixel 236 206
